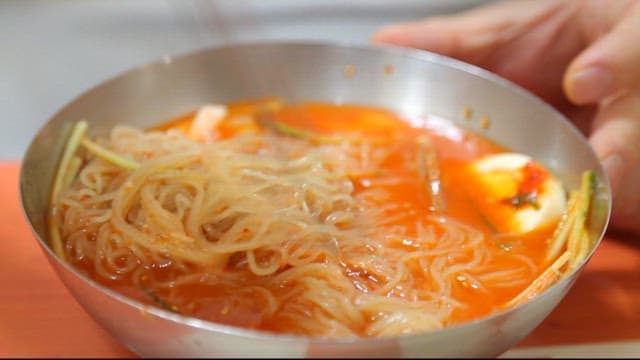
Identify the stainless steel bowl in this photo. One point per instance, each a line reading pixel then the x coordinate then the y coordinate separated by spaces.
pixel 409 81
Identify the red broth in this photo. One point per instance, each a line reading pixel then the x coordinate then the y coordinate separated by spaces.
pixel 455 148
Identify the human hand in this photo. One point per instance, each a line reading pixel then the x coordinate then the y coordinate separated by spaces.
pixel 581 56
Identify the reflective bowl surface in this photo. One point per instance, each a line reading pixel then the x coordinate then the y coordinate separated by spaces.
pixel 412 82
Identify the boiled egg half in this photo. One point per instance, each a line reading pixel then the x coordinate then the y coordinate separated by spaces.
pixel 515 193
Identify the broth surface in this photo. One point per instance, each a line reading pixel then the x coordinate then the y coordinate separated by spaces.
pixel 504 266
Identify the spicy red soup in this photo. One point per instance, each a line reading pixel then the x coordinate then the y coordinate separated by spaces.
pixel 312 218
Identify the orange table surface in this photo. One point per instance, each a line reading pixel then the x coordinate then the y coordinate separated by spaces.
pixel 40 318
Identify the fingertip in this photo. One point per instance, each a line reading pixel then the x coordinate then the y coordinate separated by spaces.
pixel 609 64
pixel 391 34
pixel 382 35
pixel 589 84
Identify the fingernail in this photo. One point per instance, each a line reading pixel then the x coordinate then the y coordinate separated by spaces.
pixel 591 84
pixel 613 166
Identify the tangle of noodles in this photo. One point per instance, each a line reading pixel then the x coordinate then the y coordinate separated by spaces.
pixel 283 233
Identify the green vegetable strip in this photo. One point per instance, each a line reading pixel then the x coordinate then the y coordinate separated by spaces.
pixel 543 281
pixel 585 243
pixel 68 169
pixel 109 155
pixel 266 120
pixel 572 231
pixel 77 133
pixel 577 237
pixel 286 129
pixel 571 227
pixel 561 233
pixel 72 171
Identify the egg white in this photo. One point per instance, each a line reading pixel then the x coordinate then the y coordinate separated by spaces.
pixel 499 175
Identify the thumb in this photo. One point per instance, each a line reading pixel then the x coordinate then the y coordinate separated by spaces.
pixel 609 65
